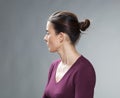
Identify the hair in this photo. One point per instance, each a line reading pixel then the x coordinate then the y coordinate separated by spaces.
pixel 67 22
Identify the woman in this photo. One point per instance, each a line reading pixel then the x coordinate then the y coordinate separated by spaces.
pixel 72 76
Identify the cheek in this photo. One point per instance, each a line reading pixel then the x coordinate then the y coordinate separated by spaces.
pixel 52 39
pixel 57 45
pixel 54 45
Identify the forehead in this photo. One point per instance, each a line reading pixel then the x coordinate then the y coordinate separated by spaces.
pixel 49 25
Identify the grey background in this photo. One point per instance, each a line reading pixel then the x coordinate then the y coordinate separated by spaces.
pixel 25 59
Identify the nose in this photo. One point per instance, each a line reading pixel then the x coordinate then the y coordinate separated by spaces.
pixel 45 38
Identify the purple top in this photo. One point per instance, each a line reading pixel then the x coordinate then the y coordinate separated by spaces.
pixel 78 82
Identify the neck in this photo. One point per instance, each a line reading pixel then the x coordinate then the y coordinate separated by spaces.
pixel 68 54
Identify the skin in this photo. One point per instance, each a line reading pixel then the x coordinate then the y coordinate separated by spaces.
pixel 61 44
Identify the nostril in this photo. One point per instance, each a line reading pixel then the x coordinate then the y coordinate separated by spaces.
pixel 45 39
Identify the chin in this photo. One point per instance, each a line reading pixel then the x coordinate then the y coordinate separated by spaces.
pixel 52 51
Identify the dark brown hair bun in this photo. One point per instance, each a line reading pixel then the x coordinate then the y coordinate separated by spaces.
pixel 67 22
pixel 84 24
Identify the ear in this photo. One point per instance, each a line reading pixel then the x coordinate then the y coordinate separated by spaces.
pixel 61 37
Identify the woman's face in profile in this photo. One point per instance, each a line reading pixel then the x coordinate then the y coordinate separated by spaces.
pixel 51 38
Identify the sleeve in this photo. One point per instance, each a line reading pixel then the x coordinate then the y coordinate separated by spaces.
pixel 49 75
pixel 84 83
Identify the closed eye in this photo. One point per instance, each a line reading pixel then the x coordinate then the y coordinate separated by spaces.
pixel 47 32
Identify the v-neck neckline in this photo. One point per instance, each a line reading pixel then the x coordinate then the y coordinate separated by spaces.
pixel 57 82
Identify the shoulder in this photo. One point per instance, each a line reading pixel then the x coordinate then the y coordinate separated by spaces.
pixel 54 63
pixel 83 63
pixel 85 69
